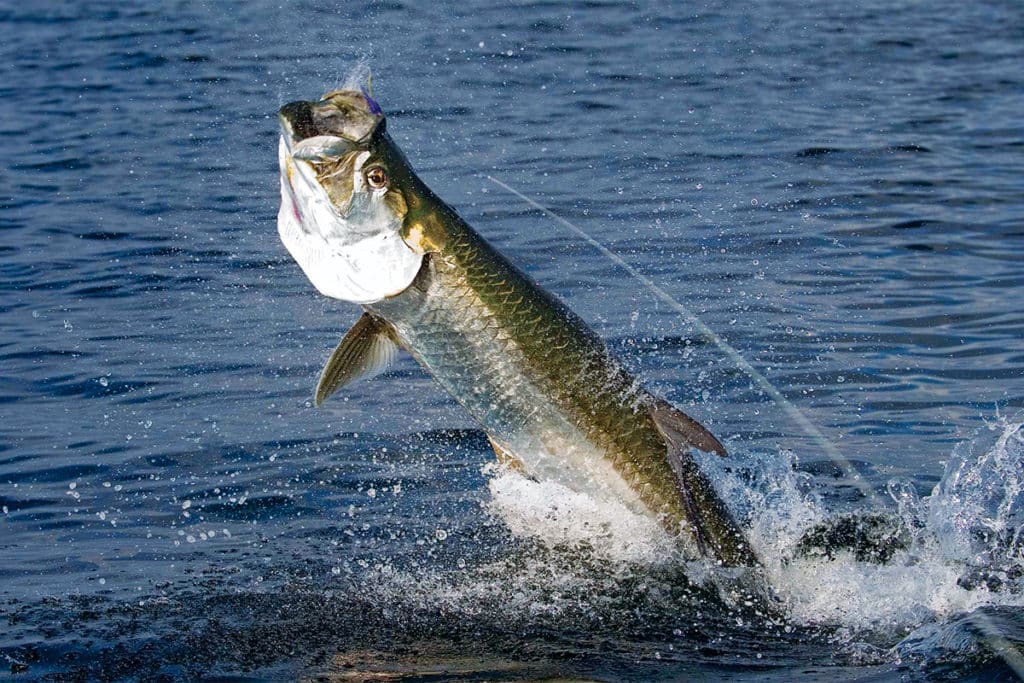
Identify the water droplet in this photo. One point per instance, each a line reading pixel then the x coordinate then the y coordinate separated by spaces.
pixel 104 381
pixel 440 534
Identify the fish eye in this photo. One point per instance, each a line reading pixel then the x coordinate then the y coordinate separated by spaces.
pixel 376 178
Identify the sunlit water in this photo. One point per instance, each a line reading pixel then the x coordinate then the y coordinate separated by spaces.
pixel 835 188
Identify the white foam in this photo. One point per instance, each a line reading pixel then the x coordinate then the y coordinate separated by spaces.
pixel 555 515
pixel 977 509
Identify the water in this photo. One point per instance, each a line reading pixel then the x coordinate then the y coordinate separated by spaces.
pixel 835 188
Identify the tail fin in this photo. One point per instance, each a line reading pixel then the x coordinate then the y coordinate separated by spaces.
pixel 714 530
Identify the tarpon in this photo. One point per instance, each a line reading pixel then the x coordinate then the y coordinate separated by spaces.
pixel 544 387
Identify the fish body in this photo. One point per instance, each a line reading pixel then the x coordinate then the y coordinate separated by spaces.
pixel 537 379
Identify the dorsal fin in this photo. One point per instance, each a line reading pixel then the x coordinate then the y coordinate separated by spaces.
pixel 682 431
pixel 712 527
pixel 366 350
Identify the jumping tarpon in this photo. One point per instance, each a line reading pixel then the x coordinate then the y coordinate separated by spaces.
pixel 544 387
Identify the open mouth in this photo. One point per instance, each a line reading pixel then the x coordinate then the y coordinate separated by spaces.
pixel 297 120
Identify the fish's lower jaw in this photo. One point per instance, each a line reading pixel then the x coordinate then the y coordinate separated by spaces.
pixel 341 263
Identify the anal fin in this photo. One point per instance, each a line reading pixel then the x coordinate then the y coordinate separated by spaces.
pixel 366 350
pixel 507 459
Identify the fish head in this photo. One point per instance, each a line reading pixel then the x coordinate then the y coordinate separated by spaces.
pixel 346 191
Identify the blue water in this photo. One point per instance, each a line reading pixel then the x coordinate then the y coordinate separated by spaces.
pixel 835 188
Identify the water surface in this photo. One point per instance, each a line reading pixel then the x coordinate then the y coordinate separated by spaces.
pixel 834 188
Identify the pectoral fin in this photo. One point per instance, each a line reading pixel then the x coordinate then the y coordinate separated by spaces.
pixel 366 350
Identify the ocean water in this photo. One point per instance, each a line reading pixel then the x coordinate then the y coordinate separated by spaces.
pixel 836 189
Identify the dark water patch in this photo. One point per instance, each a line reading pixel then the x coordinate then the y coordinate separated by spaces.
pixel 43 354
pixel 591 105
pixel 915 224
pixel 55 473
pixel 931 321
pixel 815 152
pixel 113 291
pixel 431 114
pixel 105 236
pixel 15 505
pixel 260 264
pixel 64 385
pixel 253 509
pixel 66 164
pixel 911 148
pixel 894 42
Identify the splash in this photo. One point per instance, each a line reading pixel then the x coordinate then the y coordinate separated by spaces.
pixel 977 509
pixel 962 550
pixel 962 547
pixel 556 516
